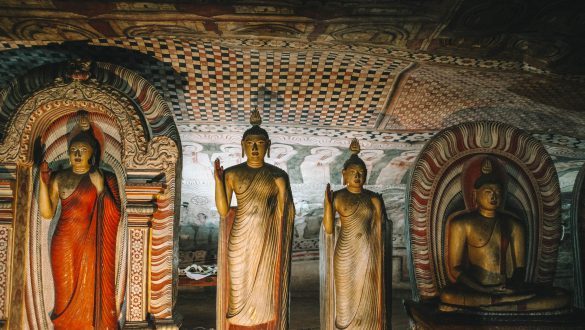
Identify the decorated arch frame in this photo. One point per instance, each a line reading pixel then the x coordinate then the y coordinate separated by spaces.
pixel 436 191
pixel 142 149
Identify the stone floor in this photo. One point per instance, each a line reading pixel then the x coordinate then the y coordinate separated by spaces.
pixel 198 309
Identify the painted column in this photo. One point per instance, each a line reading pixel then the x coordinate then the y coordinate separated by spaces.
pixel 141 205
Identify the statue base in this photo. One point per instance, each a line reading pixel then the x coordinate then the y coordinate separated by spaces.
pixel 427 315
pixel 173 323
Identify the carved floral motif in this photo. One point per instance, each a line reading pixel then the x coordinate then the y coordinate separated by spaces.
pixel 136 282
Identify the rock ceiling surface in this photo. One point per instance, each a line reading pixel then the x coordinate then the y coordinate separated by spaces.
pixel 380 66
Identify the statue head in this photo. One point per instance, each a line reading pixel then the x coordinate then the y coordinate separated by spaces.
pixel 488 188
pixel 255 142
pixel 83 147
pixel 354 169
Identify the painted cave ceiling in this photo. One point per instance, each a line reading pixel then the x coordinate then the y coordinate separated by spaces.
pixel 376 66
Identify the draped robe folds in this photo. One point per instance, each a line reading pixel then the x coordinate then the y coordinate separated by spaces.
pixel 352 267
pixel 83 257
pixel 254 255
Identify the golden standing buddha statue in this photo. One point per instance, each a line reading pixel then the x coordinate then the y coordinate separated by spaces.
pixel 486 255
pixel 255 240
pixel 353 292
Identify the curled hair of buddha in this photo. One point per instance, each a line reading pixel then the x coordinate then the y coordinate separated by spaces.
pixel 256 121
pixel 87 136
pixel 354 159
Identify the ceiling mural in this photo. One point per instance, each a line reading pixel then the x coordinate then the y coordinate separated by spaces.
pixel 209 81
pixel 544 34
pixel 434 97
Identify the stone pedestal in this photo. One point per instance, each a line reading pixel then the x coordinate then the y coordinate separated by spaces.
pixel 425 315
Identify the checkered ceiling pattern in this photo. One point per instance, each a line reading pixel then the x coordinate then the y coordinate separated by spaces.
pixel 206 82
pixel 218 82
pixel 434 97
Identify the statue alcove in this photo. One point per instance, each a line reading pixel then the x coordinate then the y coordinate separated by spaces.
pixel 437 193
pixel 140 146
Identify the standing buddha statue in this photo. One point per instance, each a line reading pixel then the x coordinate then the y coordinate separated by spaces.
pixel 83 246
pixel 352 257
pixel 255 238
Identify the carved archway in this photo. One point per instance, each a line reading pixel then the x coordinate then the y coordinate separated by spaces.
pixel 435 192
pixel 142 148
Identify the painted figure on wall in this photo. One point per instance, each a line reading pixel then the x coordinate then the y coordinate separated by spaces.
pixel 315 167
pixel 393 173
pixel 196 164
pixel 281 153
pixel 353 284
pixel 255 238
pixel 486 252
pixel 83 246
pixel 230 155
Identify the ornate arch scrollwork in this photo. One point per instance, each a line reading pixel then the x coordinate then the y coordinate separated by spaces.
pixel 64 98
pixel 137 121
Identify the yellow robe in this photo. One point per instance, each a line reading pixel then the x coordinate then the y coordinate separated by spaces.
pixel 353 286
pixel 254 256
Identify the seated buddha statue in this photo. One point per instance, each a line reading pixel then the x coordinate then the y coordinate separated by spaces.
pixel 486 256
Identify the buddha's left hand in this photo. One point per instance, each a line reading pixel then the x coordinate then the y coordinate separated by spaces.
pixel 97 179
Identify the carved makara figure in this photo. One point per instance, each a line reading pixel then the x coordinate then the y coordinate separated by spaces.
pixel 255 239
pixel 352 257
pixel 486 254
pixel 83 246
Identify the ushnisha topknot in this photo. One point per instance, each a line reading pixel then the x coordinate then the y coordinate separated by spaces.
pixel 256 121
pixel 488 175
pixel 255 118
pixel 354 147
pixel 354 159
pixel 486 166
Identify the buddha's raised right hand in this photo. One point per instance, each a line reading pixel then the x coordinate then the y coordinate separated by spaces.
pixel 218 170
pixel 328 195
pixel 45 172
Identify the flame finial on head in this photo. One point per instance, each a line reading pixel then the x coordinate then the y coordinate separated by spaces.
pixel 255 118
pixel 354 146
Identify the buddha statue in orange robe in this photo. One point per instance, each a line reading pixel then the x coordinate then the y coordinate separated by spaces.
pixel 83 246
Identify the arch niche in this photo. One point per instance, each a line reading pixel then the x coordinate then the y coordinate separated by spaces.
pixel 140 145
pixel 436 191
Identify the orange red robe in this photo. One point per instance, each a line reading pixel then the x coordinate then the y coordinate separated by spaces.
pixel 83 257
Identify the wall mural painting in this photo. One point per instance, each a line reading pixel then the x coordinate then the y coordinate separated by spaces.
pixel 568 170
pixel 311 165
pixel 310 168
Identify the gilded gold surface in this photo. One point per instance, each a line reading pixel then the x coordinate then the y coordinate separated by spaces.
pixel 352 288
pixel 486 257
pixel 256 258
